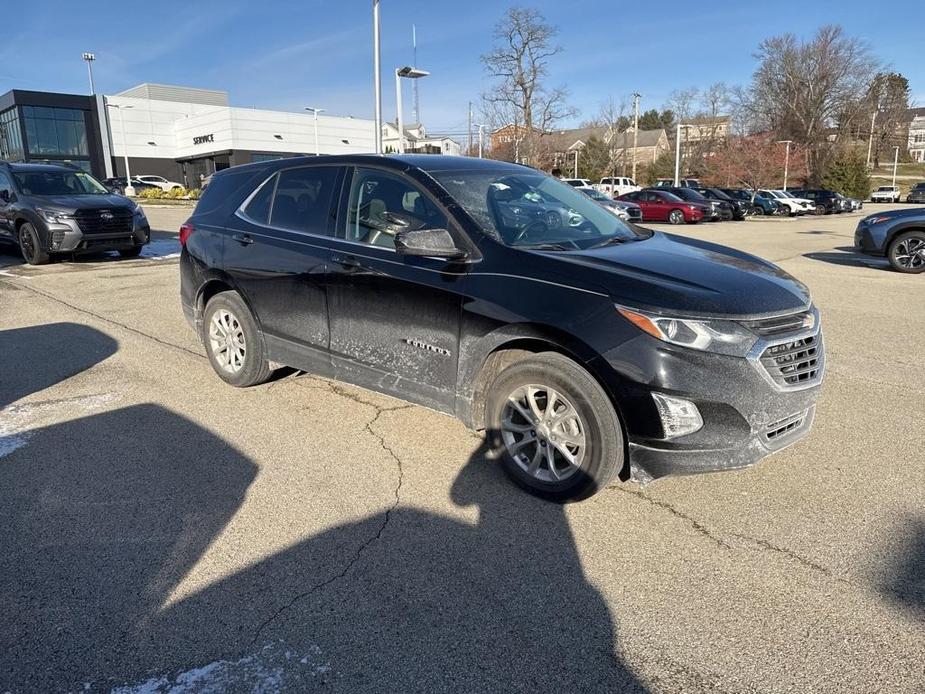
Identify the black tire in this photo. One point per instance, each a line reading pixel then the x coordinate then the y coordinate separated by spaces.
pixel 131 252
pixel 30 245
pixel 676 217
pixel 603 454
pixel 757 211
pixel 253 368
pixel 898 253
pixel 820 210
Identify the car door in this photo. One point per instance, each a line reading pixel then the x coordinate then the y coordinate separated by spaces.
pixel 659 207
pixel 394 319
pixel 278 254
pixel 6 206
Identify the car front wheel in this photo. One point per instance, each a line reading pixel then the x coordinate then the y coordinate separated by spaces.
pixel 907 252
pixel 676 217
pixel 30 245
pixel 555 428
pixel 233 342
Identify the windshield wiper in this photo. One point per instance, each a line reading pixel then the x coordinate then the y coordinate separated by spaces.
pixel 548 247
pixel 612 241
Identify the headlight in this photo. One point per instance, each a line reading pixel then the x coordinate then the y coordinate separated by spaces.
pixel 53 216
pixel 877 220
pixel 719 336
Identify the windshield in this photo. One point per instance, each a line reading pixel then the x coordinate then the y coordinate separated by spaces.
pixel 58 183
pixel 594 194
pixel 688 194
pixel 886 188
pixel 718 194
pixel 526 209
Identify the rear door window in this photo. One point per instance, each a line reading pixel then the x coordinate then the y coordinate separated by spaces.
pixel 257 209
pixel 302 199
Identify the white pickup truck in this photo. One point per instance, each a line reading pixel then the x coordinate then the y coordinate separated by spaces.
pixel 885 194
pixel 617 185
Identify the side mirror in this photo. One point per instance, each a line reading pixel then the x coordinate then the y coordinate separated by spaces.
pixel 433 243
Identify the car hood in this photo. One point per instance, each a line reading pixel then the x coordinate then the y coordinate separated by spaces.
pixel 897 214
pixel 82 202
pixel 687 277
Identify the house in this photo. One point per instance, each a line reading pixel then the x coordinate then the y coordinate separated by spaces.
pixel 650 144
pixel 706 128
pixel 417 141
pixel 916 140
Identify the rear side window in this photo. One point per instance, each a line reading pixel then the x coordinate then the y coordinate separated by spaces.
pixel 302 201
pixel 230 186
pixel 258 208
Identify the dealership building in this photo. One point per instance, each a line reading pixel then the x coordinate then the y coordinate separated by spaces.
pixel 180 133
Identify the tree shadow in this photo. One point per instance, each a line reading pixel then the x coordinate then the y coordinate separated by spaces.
pixel 904 582
pixel 105 515
pixel 37 357
pixel 847 256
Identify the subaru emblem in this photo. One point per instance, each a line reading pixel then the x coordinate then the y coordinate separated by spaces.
pixel 106 215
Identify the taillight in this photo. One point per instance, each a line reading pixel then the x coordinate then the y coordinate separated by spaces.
pixel 186 230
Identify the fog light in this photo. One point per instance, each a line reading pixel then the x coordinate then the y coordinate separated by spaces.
pixel 679 416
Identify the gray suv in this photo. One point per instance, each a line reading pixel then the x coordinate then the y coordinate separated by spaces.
pixel 47 209
pixel 898 234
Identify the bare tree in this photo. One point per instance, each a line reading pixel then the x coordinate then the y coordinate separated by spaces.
pixel 808 91
pixel 888 98
pixel 519 62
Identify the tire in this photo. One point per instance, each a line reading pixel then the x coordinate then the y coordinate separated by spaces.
pixel 820 210
pixel 907 252
pixel 676 217
pixel 757 211
pixel 233 341
pixel 30 245
pixel 131 252
pixel 595 460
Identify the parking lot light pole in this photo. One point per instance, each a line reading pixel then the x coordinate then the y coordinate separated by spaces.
pixel 315 112
pixel 870 140
pixel 895 162
pixel 411 73
pixel 481 140
pixel 636 97
pixel 89 58
pixel 677 156
pixel 786 159
pixel 129 188
pixel 377 77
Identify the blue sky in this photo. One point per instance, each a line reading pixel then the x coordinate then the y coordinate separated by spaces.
pixel 289 54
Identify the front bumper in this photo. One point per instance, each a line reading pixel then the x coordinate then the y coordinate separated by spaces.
pixel 66 236
pixel 870 240
pixel 746 414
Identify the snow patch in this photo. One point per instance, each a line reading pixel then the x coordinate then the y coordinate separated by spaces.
pixel 273 669
pixel 161 249
pixel 16 420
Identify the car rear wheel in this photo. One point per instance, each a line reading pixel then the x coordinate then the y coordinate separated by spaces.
pixel 30 245
pixel 233 342
pixel 907 252
pixel 676 217
pixel 555 428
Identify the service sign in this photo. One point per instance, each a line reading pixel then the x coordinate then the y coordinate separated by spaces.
pixel 203 139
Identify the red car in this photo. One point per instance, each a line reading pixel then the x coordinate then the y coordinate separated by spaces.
pixel 659 206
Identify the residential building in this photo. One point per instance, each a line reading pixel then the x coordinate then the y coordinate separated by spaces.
pixel 916 138
pixel 650 144
pixel 705 128
pixel 417 141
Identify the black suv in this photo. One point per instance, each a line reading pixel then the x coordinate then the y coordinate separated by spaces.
pixel 739 208
pixel 826 201
pixel 48 209
pixel 916 193
pixel 584 345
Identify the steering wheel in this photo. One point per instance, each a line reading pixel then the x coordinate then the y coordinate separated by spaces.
pixel 530 229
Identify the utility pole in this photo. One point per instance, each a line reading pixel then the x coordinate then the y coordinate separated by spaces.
pixel 895 162
pixel 481 144
pixel 89 58
pixel 870 141
pixel 377 77
pixel 635 131
pixel 414 85
pixel 786 159
pixel 469 140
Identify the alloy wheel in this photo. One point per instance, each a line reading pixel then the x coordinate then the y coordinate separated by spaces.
pixel 676 217
pixel 226 340
pixel 543 433
pixel 26 244
pixel 910 253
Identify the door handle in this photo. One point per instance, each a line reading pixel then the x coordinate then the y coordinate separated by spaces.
pixel 348 262
pixel 245 239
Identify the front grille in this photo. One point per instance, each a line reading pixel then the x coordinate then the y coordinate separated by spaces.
pixel 778 325
pixel 781 429
pixel 795 363
pixel 104 221
pixel 634 213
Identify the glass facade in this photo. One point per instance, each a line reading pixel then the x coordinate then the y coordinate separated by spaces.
pixel 56 132
pixel 11 144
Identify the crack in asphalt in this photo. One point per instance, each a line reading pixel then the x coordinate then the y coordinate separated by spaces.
pixel 664 505
pixel 799 558
pixel 369 541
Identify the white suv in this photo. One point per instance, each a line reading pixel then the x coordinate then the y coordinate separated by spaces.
pixel 159 181
pixel 619 185
pixel 794 204
pixel 885 194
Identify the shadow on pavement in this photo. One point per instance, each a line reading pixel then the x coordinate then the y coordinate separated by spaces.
pixel 905 581
pixel 37 357
pixel 105 515
pixel 846 255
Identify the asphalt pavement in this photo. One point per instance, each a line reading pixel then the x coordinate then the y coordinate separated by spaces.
pixel 166 532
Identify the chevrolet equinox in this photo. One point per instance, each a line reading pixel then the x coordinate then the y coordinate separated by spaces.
pixel 585 346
